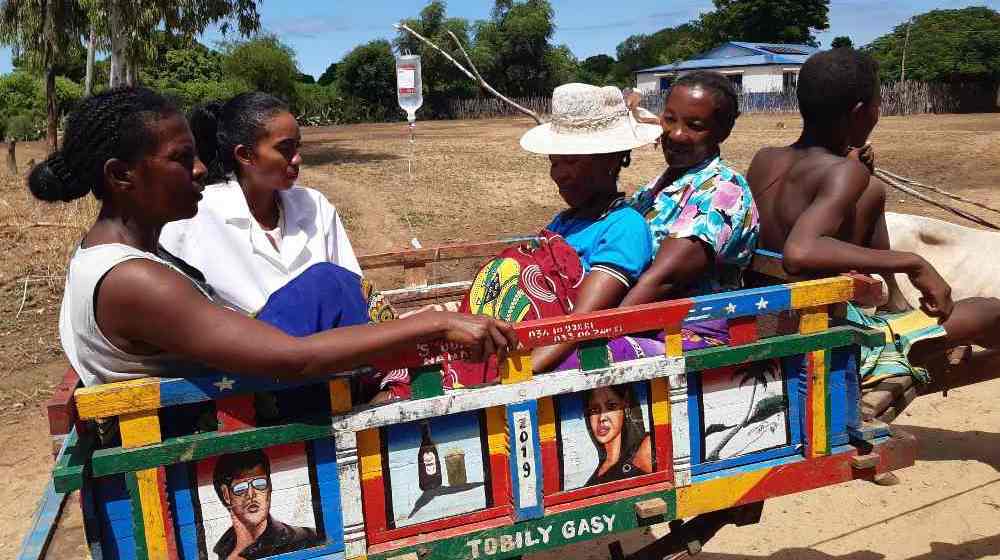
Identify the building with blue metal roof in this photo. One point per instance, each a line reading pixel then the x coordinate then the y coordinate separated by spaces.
pixel 753 67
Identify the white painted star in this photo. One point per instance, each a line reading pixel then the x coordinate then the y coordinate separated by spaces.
pixel 731 308
pixel 225 384
pixel 762 304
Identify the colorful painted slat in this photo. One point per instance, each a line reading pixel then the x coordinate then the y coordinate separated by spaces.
pixel 372 482
pixel 36 542
pixel 498 446
pixel 349 477
pixel 425 382
pixel 817 418
pixel 67 474
pixel 498 395
pixel 663 447
pixel 235 413
pixel 680 434
pixel 200 446
pixel 549 446
pixel 516 368
pixel 525 460
pixel 60 407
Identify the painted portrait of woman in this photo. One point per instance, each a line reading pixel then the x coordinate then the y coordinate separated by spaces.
pixel 614 420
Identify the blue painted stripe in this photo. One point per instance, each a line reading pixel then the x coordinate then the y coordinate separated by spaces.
pixel 183 493
pixel 114 510
pixel 91 523
pixel 37 540
pixel 841 369
pixel 754 458
pixel 324 454
pixel 740 303
pixel 792 459
pixel 325 551
pixel 694 417
pixel 525 512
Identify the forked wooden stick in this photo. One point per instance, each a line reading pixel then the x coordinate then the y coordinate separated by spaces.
pixel 475 77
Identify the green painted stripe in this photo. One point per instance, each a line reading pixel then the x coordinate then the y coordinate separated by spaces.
pixel 199 446
pixel 68 472
pixel 550 532
pixel 425 382
pixel 138 525
pixel 775 347
pixel 594 354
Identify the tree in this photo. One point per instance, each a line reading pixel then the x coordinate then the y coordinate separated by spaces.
pixel 773 21
pixel 512 48
pixel 43 33
pixel 126 27
pixel 944 46
pixel 367 75
pixel 442 81
pixel 596 70
pixel 842 42
pixel 305 78
pixel 329 75
pixel 181 60
pixel 666 46
pixel 264 64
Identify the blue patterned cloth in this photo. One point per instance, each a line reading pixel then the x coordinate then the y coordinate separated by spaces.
pixel 710 202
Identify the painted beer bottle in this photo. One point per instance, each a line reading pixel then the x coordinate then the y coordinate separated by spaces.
pixel 428 460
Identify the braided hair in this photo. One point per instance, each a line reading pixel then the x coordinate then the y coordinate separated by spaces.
pixel 110 125
pixel 219 127
pixel 727 103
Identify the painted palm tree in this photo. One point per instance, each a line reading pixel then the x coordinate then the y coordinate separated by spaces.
pixel 757 411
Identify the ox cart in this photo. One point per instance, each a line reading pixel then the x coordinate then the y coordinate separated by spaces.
pixel 496 471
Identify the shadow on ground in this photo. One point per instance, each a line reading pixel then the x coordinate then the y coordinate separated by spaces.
pixel 936 444
pixel 329 153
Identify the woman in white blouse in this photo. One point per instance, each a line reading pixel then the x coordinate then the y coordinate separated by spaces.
pixel 255 229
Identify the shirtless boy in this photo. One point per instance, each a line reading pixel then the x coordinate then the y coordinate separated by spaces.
pixel 819 207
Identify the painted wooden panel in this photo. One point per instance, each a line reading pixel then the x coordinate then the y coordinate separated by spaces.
pixel 680 429
pixel 604 435
pixel 349 478
pixel 435 468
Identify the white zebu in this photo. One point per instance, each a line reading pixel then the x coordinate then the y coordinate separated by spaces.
pixel 967 258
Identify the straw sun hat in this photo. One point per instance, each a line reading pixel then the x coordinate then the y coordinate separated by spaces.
pixel 589 120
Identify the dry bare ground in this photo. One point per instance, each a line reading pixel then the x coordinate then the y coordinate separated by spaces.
pixel 471 181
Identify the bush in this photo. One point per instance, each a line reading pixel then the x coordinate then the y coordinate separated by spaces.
pixel 20 127
pixel 189 94
pixel 265 64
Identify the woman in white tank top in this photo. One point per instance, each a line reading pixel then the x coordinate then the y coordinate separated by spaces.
pixel 128 312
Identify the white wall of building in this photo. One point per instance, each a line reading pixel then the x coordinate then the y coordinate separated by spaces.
pixel 755 78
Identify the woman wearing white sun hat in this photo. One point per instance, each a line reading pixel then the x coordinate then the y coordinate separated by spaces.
pixel 588 140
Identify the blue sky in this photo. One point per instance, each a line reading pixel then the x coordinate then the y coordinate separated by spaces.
pixel 322 31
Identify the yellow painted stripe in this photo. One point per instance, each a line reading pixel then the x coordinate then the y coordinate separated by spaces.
pixel 661 401
pixel 113 399
pixel 819 428
pixel 139 429
pixel 152 513
pixel 546 419
pixel 496 427
pixel 912 321
pixel 516 368
pixel 340 395
pixel 673 345
pixel 814 320
pixel 811 293
pixel 370 454
pixel 716 494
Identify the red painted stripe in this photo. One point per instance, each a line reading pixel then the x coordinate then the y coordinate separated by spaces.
pixel 439 535
pixel 373 502
pixel 235 413
pixel 742 330
pixel 460 521
pixel 168 520
pixel 607 498
pixel 60 407
pixel 550 467
pixel 664 450
pixel 607 323
pixel 500 479
pixel 602 489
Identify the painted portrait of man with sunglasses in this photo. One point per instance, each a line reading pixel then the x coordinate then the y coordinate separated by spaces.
pixel 243 484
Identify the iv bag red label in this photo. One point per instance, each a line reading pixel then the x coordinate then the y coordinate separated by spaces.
pixel 406 79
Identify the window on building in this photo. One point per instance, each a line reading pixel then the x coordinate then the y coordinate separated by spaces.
pixel 737 80
pixel 790 81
